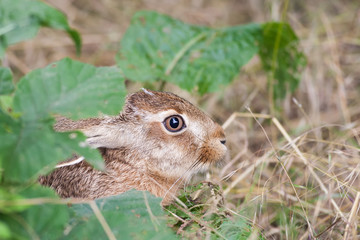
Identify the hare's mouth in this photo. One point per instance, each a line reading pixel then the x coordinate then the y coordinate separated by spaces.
pixel 206 160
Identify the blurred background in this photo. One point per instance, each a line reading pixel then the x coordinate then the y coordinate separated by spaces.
pixel 329 32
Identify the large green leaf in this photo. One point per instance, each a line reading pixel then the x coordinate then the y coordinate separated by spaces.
pixel 5 232
pixel 30 148
pixel 70 88
pixel 9 130
pixel 6 81
pixel 131 215
pixel 29 145
pixel 21 19
pixel 159 47
pixel 281 57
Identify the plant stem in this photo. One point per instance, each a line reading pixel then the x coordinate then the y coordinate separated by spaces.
pixel 274 59
pixel 182 51
pixel 162 86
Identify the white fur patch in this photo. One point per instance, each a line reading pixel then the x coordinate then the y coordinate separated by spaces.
pixel 73 162
pixel 147 92
pixel 199 130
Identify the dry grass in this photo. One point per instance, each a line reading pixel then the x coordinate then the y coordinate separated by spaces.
pixel 297 179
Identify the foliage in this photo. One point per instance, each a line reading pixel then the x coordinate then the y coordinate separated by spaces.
pixel 127 215
pixel 205 203
pixel 122 213
pixel 6 84
pixel 21 19
pixel 66 87
pixel 70 88
pixel 281 57
pixel 30 147
pixel 35 222
pixel 239 229
pixel 157 47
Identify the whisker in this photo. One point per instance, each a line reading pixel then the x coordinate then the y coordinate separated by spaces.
pixel 183 177
pixel 202 140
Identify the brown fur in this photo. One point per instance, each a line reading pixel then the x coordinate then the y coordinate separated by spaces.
pixel 138 151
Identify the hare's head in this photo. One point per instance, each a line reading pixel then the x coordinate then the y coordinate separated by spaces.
pixel 165 133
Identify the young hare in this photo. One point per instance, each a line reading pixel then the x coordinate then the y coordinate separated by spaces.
pixel 156 143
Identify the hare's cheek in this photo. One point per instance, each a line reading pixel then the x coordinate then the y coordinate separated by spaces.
pixel 155 132
pixel 164 145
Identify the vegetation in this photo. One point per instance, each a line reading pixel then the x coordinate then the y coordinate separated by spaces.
pixel 286 184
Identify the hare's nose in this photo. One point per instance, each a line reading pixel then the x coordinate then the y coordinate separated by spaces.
pixel 223 141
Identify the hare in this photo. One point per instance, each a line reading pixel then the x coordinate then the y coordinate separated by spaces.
pixel 158 141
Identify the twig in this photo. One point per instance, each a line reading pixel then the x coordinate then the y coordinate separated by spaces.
pixel 26 226
pixel 353 214
pixel 249 170
pixel 199 221
pixel 305 161
pixel 292 144
pixel 329 227
pixel 287 175
pixel 243 150
pixel 162 85
pixel 40 201
pixel 154 221
pixel 184 225
pixel 336 68
pixel 102 220
pixel 241 114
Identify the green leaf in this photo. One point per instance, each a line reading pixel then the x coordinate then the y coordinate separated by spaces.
pixel 9 129
pixel 21 19
pixel 127 215
pixel 5 232
pixel 6 102
pixel 6 81
pixel 238 229
pixel 70 88
pixel 31 148
pixel 157 47
pixel 43 221
pixel 281 57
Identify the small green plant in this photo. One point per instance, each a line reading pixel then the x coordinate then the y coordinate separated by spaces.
pixel 156 48
pixel 205 215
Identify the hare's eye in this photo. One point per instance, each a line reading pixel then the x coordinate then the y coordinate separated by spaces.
pixel 174 123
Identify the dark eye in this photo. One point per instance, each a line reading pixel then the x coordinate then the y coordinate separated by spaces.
pixel 174 123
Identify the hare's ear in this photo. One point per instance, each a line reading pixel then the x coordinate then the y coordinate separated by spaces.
pixel 100 132
pixel 143 101
pixel 106 136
